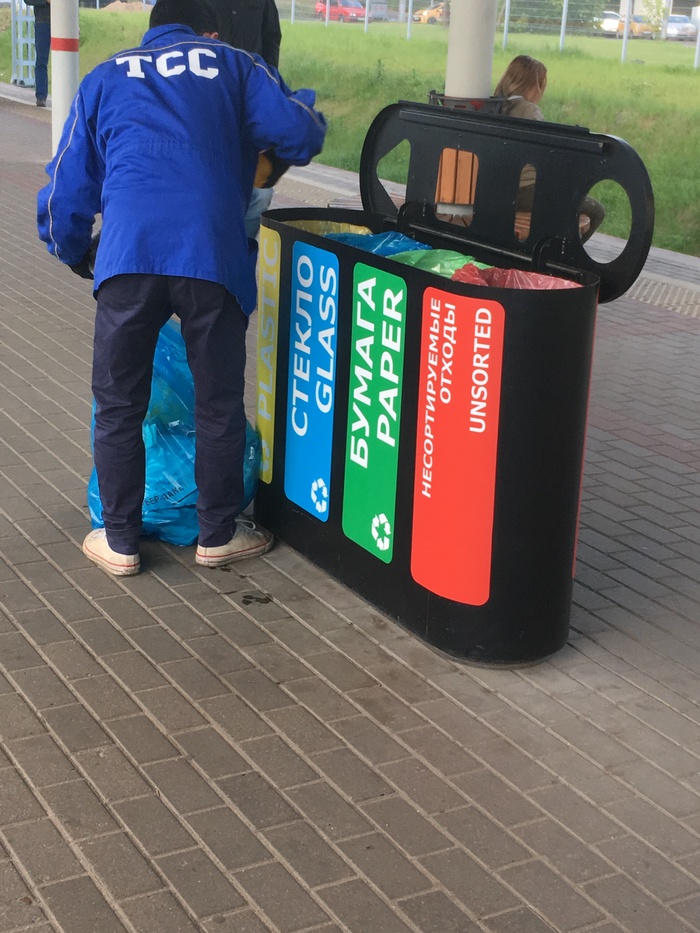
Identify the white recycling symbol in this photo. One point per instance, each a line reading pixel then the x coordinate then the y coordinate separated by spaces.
pixel 319 495
pixel 381 530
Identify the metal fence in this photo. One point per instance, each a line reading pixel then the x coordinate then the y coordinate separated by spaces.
pixel 560 19
pixel 22 26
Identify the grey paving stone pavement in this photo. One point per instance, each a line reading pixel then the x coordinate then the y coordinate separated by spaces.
pixel 262 751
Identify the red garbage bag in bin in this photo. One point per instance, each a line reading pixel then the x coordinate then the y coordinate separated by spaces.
pixel 510 278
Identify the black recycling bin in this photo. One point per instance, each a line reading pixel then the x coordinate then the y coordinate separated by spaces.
pixel 423 438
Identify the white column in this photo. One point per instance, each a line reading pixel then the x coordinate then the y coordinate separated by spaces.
pixel 65 59
pixel 470 48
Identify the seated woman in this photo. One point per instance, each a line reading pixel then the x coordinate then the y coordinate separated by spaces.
pixel 523 85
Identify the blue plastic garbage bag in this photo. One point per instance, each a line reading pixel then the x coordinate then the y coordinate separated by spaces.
pixel 381 244
pixel 169 511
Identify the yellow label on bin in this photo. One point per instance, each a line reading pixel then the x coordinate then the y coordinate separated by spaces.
pixel 268 326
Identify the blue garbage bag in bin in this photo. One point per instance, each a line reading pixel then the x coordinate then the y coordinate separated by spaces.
pixel 381 244
pixel 169 505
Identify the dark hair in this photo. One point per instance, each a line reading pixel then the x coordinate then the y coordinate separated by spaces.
pixel 197 14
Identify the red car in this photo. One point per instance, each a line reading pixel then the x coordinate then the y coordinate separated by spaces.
pixel 342 11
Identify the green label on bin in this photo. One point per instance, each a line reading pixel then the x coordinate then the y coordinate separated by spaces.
pixel 374 409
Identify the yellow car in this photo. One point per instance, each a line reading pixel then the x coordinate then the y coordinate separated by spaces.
pixel 639 28
pixel 433 14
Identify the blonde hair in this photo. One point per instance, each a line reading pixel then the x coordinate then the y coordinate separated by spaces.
pixel 523 76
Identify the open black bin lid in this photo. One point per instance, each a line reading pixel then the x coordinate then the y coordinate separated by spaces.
pixel 568 161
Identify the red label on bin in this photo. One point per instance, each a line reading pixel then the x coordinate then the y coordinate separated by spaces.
pixel 457 445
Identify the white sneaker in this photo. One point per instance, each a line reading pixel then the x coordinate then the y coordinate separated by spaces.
pixel 249 540
pixel 97 549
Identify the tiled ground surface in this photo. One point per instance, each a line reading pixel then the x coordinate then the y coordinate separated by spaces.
pixel 260 750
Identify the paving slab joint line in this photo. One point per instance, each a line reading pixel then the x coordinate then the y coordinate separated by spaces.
pixel 313 672
pixel 622 675
pixel 584 636
pixel 198 842
pixel 436 882
pixel 561 700
pixel 382 646
pixel 575 790
pixel 549 730
pixel 73 844
pixel 337 788
pixel 643 691
pixel 333 647
pixel 149 714
pixel 58 825
pixel 101 797
pixel 23 495
pixel 171 807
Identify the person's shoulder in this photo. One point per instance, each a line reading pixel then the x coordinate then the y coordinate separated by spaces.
pixel 519 107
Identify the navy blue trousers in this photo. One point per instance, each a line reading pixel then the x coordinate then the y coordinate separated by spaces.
pixel 42 48
pixel 131 309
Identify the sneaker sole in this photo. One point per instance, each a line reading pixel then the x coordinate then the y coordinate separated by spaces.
pixel 117 570
pixel 224 559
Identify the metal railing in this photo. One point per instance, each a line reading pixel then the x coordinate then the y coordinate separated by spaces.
pixel 22 26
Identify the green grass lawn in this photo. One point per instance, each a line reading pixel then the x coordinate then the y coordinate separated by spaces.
pixel 652 100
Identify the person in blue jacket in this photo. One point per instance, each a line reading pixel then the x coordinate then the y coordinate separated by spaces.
pixel 163 141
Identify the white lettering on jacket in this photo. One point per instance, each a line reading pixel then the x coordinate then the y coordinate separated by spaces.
pixel 135 62
pixel 194 56
pixel 169 70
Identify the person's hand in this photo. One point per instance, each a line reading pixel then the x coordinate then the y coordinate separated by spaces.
pixel 269 170
pixel 85 268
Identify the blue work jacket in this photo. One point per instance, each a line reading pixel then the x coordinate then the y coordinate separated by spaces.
pixel 163 141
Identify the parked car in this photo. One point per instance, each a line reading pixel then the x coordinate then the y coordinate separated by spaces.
pixel 639 28
pixel 342 11
pixel 432 14
pixel 681 27
pixel 609 24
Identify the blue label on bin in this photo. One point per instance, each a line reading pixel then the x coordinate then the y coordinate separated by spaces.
pixel 311 387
